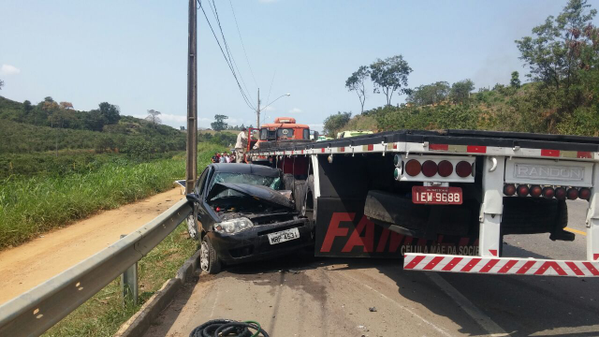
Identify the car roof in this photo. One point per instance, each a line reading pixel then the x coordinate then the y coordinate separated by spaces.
pixel 260 170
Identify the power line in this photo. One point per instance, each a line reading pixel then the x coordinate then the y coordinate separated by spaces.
pixel 227 49
pixel 229 63
pixel 242 44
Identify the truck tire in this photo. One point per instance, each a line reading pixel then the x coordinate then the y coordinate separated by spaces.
pixel 288 181
pixel 532 215
pixel 308 209
pixel 299 194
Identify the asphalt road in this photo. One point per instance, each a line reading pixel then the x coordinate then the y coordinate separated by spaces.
pixel 326 297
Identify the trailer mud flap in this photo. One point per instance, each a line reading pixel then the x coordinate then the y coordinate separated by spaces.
pixel 343 231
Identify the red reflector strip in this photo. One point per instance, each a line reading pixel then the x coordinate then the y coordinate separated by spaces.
pixel 574 268
pixel 548 265
pixel 582 154
pixel 322 150
pixel 438 147
pixel 526 267
pixel 394 146
pixel 370 147
pixel 476 149
pixel 489 265
pixel 452 263
pixel 433 263
pixel 592 269
pixel 414 262
pixel 471 264
pixel 341 149
pixel 507 266
pixel 549 153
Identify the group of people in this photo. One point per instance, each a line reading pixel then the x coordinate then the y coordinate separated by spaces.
pixel 224 157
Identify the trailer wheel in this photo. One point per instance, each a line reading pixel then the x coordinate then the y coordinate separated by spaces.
pixel 299 194
pixel 288 181
pixel 308 209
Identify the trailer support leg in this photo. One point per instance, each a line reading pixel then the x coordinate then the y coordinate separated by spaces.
pixel 492 207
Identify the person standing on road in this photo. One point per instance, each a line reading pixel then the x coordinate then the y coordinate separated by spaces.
pixel 241 145
pixel 215 158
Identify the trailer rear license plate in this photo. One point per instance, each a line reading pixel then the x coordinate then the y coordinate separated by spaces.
pixel 437 195
pixel 283 236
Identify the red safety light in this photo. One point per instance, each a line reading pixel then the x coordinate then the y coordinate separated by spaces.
pixel 413 167
pixel 560 193
pixel 572 194
pixel 522 190
pixel 463 169
pixel 548 192
pixel 429 168
pixel 509 189
pixel 536 191
pixel 445 168
pixel 584 193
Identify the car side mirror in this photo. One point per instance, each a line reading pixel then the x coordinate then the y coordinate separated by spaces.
pixel 316 135
pixel 193 197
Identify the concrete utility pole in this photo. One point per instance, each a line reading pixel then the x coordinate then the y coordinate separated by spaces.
pixel 192 100
pixel 258 111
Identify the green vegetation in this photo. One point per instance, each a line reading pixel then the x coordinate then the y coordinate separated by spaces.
pixel 30 205
pixel 103 314
pixel 562 96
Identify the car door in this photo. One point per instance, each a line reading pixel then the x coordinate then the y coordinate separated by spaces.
pixel 204 216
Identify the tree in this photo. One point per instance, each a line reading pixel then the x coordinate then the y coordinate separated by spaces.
pixel 153 116
pixel 515 81
pixel 390 75
pixel 460 91
pixel 66 105
pixel 219 123
pixel 1 84
pixel 429 94
pixel 357 82
pixel 111 113
pixel 547 53
pixel 334 123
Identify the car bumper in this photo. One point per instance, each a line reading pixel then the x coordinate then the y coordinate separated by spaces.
pixel 253 244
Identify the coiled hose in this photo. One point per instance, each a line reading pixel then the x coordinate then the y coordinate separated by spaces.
pixel 228 328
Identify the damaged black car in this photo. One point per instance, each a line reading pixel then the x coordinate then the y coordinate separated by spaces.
pixel 245 212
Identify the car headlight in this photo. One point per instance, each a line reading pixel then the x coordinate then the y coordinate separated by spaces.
pixel 233 225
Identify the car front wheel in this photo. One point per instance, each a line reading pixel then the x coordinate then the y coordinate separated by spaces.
pixel 209 261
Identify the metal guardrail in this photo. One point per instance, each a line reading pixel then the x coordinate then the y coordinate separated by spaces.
pixel 40 308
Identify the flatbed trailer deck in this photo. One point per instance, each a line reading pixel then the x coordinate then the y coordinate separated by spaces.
pixel 365 199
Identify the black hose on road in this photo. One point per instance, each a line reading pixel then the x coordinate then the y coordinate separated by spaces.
pixel 228 328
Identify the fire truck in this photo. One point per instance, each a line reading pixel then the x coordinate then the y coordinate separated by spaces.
pixel 443 200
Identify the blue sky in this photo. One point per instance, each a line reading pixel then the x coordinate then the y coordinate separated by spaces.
pixel 134 53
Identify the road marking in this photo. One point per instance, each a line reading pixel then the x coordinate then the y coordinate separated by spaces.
pixel 479 317
pixel 439 329
pixel 575 231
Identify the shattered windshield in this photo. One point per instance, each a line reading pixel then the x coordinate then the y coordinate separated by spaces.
pixel 243 178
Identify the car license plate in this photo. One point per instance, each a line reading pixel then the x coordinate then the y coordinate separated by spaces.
pixel 431 195
pixel 283 236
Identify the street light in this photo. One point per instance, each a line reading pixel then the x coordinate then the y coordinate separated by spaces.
pixel 258 109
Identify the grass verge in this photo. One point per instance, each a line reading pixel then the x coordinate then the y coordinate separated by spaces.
pixel 33 205
pixel 104 313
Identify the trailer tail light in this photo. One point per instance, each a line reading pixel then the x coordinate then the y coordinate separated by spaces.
pixel 413 167
pixel 522 190
pixel 445 168
pixel 535 191
pixel 509 189
pixel 429 168
pixel 463 169
pixel 560 193
pixel 548 192
pixel 584 193
pixel 572 194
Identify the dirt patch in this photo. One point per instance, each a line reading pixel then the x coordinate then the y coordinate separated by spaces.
pixel 24 267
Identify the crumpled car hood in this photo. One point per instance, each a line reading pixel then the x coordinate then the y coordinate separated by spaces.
pixel 258 192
